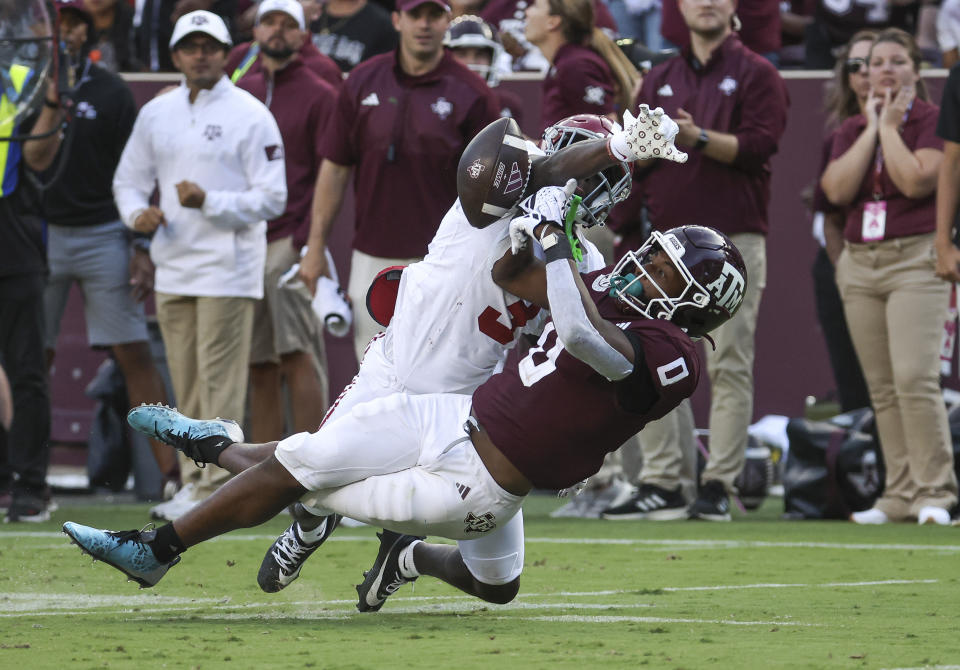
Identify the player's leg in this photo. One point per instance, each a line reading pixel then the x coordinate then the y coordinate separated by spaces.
pixel 488 567
pixel 254 496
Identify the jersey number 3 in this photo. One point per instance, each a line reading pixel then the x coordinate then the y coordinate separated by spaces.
pixel 489 321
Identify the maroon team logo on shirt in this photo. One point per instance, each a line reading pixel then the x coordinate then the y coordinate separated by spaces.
pixel 483 523
pixel 274 152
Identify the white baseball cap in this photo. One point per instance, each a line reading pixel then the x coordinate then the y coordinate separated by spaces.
pixel 201 21
pixel 289 7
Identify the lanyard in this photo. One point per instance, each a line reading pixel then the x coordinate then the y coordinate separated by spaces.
pixel 878 160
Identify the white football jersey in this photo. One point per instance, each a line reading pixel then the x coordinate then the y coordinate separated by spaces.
pixel 452 323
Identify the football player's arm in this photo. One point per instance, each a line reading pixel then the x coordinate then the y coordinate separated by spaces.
pixel 577 161
pixel 523 275
pixel 584 334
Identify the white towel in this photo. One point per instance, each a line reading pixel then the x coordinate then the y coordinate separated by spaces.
pixel 330 301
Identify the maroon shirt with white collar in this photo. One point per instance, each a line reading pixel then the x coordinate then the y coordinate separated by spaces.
pixel 404 136
pixel 905 216
pixel 737 92
pixel 580 82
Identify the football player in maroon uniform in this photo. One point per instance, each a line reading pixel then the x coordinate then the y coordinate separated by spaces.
pixel 617 353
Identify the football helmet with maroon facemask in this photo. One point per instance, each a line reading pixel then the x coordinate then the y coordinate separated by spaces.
pixel 711 266
pixel 469 31
pixel 605 189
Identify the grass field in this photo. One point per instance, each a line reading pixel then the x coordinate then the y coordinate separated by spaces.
pixel 755 593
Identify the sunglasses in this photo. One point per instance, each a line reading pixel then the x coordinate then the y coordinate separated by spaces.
pixel 854 65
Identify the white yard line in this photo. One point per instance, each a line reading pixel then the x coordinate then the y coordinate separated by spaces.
pixel 154 606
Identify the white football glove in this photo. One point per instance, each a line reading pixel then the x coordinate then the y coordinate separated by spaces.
pixel 547 204
pixel 550 202
pixel 521 230
pixel 650 134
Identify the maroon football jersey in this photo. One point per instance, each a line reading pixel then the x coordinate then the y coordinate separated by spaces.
pixel 555 418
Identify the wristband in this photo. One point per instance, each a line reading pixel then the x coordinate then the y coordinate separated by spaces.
pixel 556 247
pixel 702 139
pixel 51 104
pixel 619 151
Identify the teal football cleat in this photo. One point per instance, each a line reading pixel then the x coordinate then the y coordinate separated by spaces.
pixel 201 440
pixel 127 551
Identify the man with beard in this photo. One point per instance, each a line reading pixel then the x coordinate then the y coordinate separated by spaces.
pixel 287 337
pixel 217 155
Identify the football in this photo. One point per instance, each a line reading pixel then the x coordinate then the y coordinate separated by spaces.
pixel 493 172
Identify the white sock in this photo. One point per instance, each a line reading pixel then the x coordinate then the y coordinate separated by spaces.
pixel 312 536
pixel 405 560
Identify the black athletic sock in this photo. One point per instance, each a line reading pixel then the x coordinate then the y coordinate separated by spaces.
pixel 166 544
pixel 211 447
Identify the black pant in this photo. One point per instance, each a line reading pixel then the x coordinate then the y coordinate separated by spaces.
pixel 27 452
pixel 851 387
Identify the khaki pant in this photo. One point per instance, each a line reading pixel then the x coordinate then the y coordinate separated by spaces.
pixel 669 451
pixel 666 444
pixel 363 268
pixel 896 308
pixel 207 341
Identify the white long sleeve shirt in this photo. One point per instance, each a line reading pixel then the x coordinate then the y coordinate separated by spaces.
pixel 228 143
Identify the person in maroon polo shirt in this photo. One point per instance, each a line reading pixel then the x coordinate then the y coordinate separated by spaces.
pixel 401 122
pixel 588 73
pixel 883 170
pixel 287 345
pixel 731 106
pixel 757 22
pixel 246 59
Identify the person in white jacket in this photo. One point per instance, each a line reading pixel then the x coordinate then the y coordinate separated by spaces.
pixel 216 154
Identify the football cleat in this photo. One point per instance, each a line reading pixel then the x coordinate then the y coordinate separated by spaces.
pixel 200 440
pixel 127 551
pixel 384 578
pixel 289 552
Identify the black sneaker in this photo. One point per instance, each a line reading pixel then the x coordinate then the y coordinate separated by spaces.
pixel 28 506
pixel 712 503
pixel 289 552
pixel 384 577
pixel 652 503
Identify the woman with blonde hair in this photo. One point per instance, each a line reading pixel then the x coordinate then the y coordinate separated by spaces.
pixel 845 97
pixel 588 74
pixel 883 172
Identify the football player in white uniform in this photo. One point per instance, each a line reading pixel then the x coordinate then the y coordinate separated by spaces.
pixel 452 324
